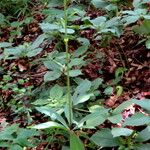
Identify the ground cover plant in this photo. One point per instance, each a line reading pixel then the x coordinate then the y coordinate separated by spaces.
pixel 74 75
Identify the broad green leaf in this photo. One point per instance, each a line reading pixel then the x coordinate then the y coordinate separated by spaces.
pixel 27 133
pixel 5 136
pixel 81 92
pixel 49 124
pixel 84 41
pixel 144 135
pixel 108 90
pixel 52 65
pixel 38 41
pixel 83 87
pixel 92 120
pixel 55 3
pixel 15 147
pixel 148 44
pixel 52 75
pixel 137 119
pixel 115 21
pixel 145 103
pixel 13 51
pixel 74 73
pixel 143 147
pixel 76 62
pixel 143 29
pixel 130 19
pixel 115 118
pixel 47 27
pixel 65 148
pixel 75 142
pixel 122 106
pixel 5 44
pixel 80 51
pixel 104 138
pixel 56 92
pixel 96 83
pixel 4 144
pixel 100 3
pixel 98 21
pixel 49 112
pixel 34 52
pixel 69 31
pixel 7 133
pixel 116 132
pixel 2 19
pixel 82 98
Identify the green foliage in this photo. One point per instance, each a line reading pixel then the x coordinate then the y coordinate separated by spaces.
pixel 105 138
pixel 70 103
pixel 14 137
pixel 25 50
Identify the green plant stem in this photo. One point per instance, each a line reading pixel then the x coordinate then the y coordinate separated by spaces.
pixel 81 110
pixel 67 66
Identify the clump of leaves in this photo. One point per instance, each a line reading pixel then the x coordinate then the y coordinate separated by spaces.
pixel 25 50
pixel 13 137
pixel 144 29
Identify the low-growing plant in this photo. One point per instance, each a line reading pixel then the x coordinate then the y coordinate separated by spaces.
pixel 15 138
pixel 25 50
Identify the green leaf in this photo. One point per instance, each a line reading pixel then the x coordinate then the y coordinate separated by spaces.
pixel 52 65
pixel 75 73
pixel 130 19
pixel 100 3
pixel 5 44
pixel 142 147
pixel 96 83
pixel 56 92
pixel 15 147
pixel 2 19
pixel 84 41
pixel 92 120
pixel 55 3
pixel 104 138
pixel 49 112
pixel 144 28
pixel 69 31
pixel 108 90
pixel 83 87
pixel 145 103
pixel 148 44
pixel 137 119
pixel 47 27
pixel 144 135
pixel 115 118
pixel 98 21
pixel 52 75
pixel 38 41
pixel 27 133
pixel 49 124
pixel 82 98
pixel 122 106
pixel 80 51
pixel 76 62
pixel 65 148
pixel 116 132
pixel 34 52
pixel 75 142
pixel 81 92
